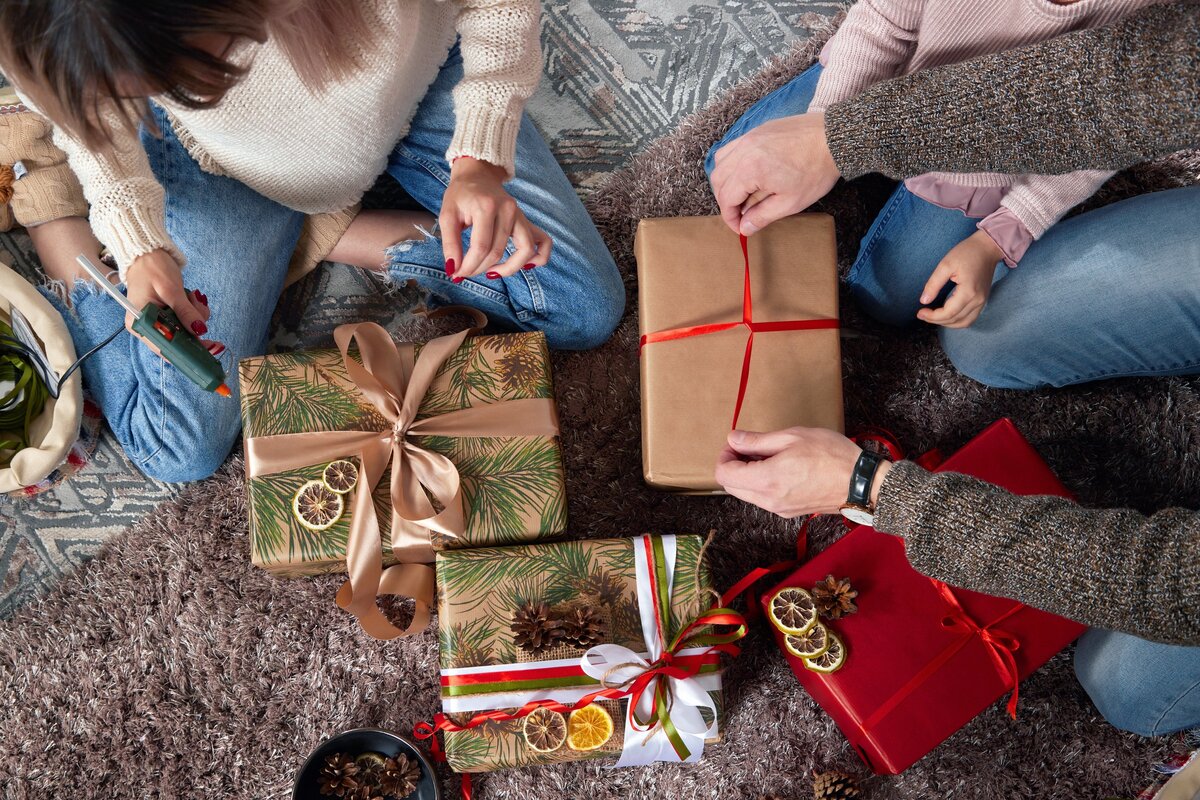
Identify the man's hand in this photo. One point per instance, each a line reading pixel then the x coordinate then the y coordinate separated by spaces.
pixel 776 170
pixel 476 199
pixel 792 473
pixel 970 265
pixel 156 278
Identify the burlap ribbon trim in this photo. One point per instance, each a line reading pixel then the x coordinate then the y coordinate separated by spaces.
pixel 395 382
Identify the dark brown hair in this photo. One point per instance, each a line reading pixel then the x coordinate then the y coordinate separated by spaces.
pixel 72 57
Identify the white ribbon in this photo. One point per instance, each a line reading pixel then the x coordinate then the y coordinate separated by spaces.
pixel 616 665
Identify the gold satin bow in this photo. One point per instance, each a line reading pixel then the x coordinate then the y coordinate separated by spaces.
pixel 395 383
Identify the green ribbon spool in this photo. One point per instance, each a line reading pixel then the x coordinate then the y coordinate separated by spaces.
pixel 21 405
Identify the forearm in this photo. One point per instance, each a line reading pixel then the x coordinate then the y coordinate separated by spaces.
pixel 502 65
pixel 1115 569
pixel 1103 98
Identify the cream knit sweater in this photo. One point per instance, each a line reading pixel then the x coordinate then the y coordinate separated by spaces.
pixel 882 39
pixel 319 151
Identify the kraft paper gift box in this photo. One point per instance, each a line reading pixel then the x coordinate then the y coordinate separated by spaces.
pixel 922 658
pixel 692 280
pixel 396 411
pixel 485 667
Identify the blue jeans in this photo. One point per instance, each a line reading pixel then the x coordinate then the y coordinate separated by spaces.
pixel 238 244
pixel 1111 293
pixel 1108 293
pixel 1143 687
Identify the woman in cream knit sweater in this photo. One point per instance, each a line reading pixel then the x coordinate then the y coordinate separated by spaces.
pixel 268 110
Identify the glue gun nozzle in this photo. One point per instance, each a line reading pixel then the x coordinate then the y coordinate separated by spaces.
pixel 223 390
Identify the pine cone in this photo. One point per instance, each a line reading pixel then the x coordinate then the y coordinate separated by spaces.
pixel 584 628
pixel 339 776
pixel 607 589
pixel 834 598
pixel 533 630
pixel 834 785
pixel 399 777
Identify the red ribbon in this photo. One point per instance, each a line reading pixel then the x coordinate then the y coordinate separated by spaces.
pixel 669 665
pixel 746 322
pixel 1001 646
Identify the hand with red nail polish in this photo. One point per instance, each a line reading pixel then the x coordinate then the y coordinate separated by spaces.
pixel 475 200
pixel 156 278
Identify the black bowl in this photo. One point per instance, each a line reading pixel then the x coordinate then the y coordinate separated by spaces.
pixel 354 743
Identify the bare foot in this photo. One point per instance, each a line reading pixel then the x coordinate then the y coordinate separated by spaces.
pixel 372 232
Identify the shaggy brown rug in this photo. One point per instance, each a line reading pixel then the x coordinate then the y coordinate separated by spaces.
pixel 170 667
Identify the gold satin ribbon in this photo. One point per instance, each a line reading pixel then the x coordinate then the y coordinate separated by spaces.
pixel 395 383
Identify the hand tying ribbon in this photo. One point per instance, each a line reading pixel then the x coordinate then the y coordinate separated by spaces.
pixel 748 322
pixel 426 493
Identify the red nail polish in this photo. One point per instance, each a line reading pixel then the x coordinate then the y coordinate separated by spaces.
pixel 494 275
pixel 456 280
pixel 202 297
pixel 199 328
pixel 529 266
pixel 449 266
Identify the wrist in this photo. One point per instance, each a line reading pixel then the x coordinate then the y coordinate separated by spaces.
pixel 469 166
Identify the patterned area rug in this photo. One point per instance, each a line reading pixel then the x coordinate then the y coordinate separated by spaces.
pixel 618 75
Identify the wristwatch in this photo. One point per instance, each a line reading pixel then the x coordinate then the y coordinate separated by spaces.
pixel 858 508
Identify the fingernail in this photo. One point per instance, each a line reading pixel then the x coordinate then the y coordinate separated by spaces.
pixel 456 280
pixel 202 297
pixel 925 299
pixel 449 266
pixel 749 229
pixel 199 328
pixel 217 349
pixel 737 437
pixel 529 266
pixel 494 275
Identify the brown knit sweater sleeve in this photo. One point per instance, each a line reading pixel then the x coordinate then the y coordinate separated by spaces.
pixel 1102 98
pixel 1107 568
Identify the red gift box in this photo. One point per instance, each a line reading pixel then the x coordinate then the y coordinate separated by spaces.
pixel 923 658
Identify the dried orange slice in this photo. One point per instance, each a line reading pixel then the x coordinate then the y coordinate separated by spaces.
pixel 316 507
pixel 810 644
pixel 589 728
pixel 340 476
pixel 831 660
pixel 545 730
pixel 792 610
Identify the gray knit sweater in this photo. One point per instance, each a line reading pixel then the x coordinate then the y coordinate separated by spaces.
pixel 1114 568
pixel 1102 98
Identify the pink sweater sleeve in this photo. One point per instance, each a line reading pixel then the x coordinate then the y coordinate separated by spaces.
pixel 1039 201
pixel 873 44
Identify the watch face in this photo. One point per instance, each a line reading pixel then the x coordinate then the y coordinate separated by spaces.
pixel 858 515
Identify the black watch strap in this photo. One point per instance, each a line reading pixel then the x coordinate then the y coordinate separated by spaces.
pixel 861 479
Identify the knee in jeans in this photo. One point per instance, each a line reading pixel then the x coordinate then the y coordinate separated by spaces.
pixel 195 449
pixel 586 327
pixel 986 356
pixel 1111 682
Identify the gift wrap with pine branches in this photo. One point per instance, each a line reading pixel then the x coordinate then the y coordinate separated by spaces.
pixel 515 624
pixel 394 406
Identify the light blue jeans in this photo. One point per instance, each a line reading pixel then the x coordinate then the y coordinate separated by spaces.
pixel 1113 292
pixel 238 244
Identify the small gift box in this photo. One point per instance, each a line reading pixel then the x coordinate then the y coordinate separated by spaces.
pixel 734 334
pixel 544 649
pixel 370 457
pixel 920 659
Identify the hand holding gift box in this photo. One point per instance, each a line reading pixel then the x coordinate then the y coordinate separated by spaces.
pixel 735 333
pixel 425 426
pixel 655 675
